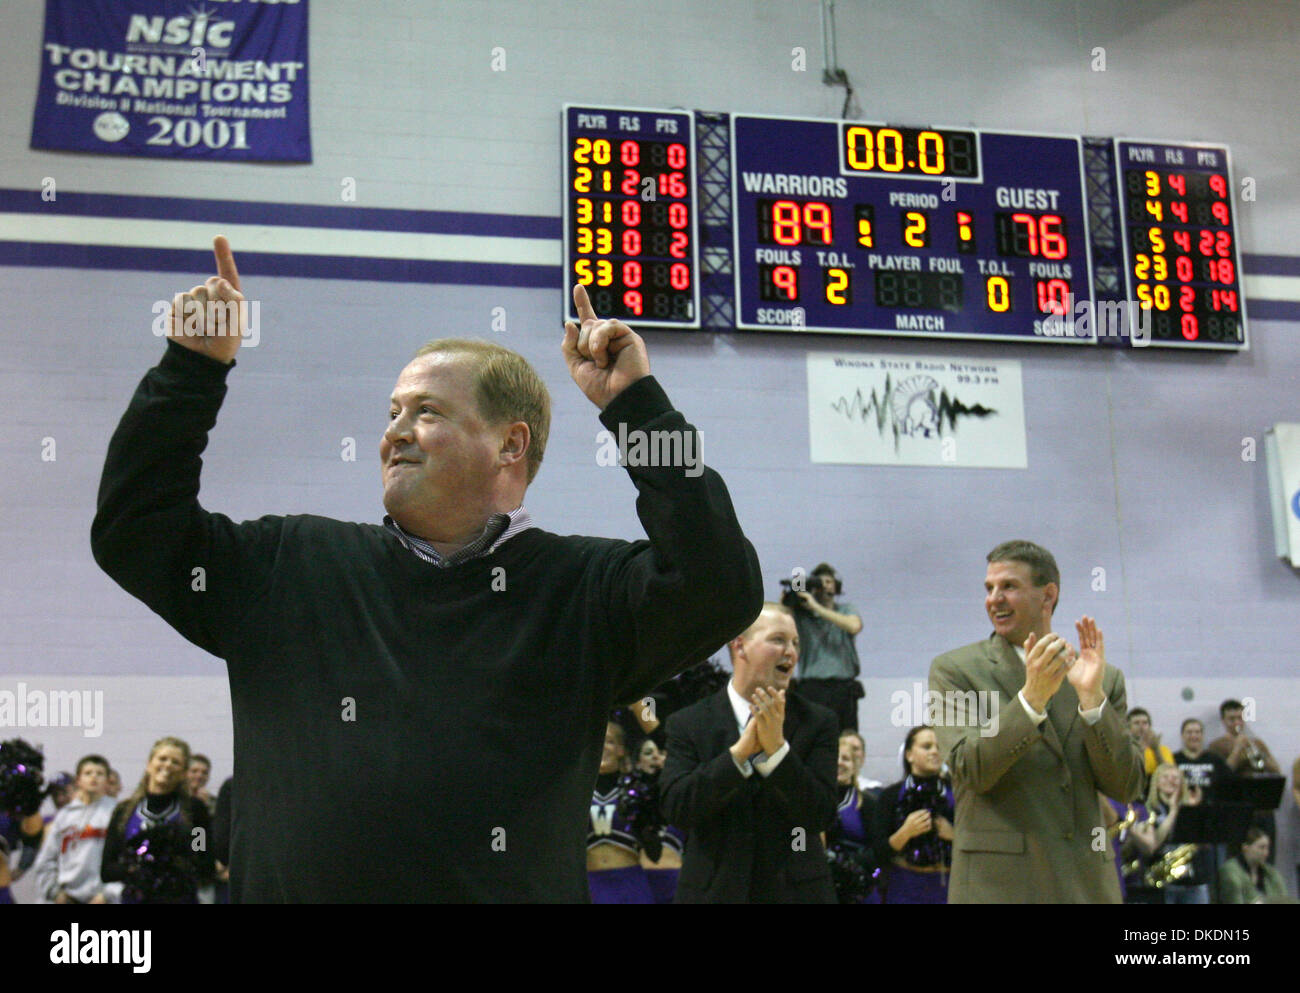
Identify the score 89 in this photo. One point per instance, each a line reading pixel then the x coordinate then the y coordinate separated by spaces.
pixel 788 222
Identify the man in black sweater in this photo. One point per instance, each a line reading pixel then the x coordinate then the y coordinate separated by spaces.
pixel 392 685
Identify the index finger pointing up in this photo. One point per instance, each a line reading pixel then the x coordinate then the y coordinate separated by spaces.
pixel 225 261
pixel 583 305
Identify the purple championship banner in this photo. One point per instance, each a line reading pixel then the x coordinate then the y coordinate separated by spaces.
pixel 175 79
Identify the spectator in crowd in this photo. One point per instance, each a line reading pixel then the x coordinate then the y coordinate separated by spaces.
pixel 67 868
pixel 61 789
pixel 1295 795
pixel 614 871
pixel 1248 878
pixel 661 874
pixel 20 840
pixel 828 659
pixel 745 806
pixel 859 747
pixel 1203 768
pixel 1244 753
pixel 851 842
pixel 113 786
pixel 161 798
pixel 1167 796
pixel 1132 838
pixel 1147 741
pixel 649 757
pixel 221 823
pixel 1247 756
pixel 197 777
pixel 914 825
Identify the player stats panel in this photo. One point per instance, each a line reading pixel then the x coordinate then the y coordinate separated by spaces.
pixel 1181 253
pixel 860 228
pixel 630 226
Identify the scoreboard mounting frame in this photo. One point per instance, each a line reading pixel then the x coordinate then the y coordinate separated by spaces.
pixel 1069 187
pixel 1236 286
pixel 641 227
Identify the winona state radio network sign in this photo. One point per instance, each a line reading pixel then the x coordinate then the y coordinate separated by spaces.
pixel 175 79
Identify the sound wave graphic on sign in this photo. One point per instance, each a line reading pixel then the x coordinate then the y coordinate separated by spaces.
pixel 909 407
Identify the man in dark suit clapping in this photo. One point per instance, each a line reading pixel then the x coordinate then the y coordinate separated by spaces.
pixel 751 776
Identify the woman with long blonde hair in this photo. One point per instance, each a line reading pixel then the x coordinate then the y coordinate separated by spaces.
pixel 1166 796
pixel 162 797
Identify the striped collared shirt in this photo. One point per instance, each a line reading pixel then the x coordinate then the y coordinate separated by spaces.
pixel 500 529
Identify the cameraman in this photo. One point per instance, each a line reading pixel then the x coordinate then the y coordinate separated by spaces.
pixel 828 661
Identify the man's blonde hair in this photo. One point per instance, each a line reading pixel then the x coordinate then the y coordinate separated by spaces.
pixel 507 388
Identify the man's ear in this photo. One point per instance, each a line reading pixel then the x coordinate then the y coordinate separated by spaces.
pixel 514 443
pixel 1052 593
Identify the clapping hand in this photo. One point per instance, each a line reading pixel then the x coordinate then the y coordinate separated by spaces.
pixel 1046 661
pixel 1087 672
pixel 769 717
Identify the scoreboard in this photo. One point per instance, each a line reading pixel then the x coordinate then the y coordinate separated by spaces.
pixel 630 231
pixel 1181 256
pixel 858 227
pixel 871 228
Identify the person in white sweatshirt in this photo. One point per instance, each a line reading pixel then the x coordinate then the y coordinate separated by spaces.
pixel 67 868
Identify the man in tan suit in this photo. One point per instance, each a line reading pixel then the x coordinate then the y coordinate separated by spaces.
pixel 1028 826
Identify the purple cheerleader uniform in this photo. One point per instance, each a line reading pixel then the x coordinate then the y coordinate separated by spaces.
pixel 608 826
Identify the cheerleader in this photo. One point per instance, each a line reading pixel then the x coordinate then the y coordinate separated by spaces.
pixel 850 843
pixel 661 874
pixel 161 798
pixel 914 819
pixel 614 872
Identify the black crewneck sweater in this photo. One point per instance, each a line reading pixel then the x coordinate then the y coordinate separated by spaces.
pixel 405 732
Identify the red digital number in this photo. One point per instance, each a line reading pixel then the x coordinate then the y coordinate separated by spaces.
pixel 1224 299
pixel 631 273
pixel 785 223
pixel 1053 294
pixel 786 278
pixel 679 275
pixel 632 301
pixel 671 184
pixel 629 153
pixel 632 242
pixel 678 248
pixel 678 215
pixel 677 156
pixel 817 217
pixel 631 183
pixel 1219 185
pixel 631 213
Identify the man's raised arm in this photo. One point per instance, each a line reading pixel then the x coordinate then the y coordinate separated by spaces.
pixel 697 584
pixel 197 570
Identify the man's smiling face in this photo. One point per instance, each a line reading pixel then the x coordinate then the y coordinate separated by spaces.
pixel 1014 604
pixel 438 457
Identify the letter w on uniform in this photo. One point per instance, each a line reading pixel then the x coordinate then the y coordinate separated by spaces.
pixel 602 817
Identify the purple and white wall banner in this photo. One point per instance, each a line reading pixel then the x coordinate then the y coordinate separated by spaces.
pixel 175 79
